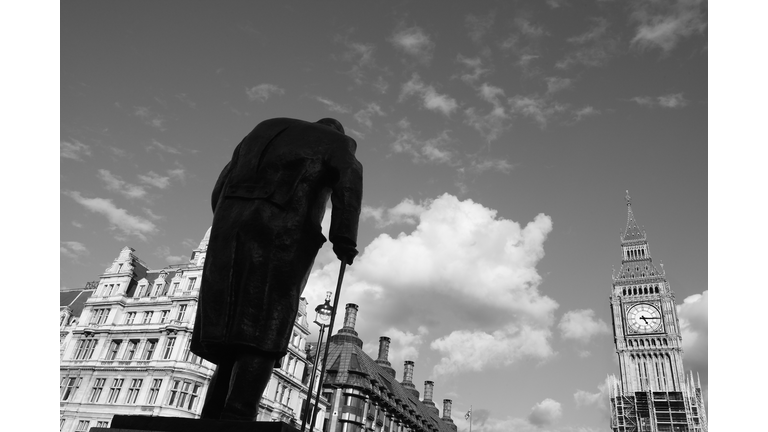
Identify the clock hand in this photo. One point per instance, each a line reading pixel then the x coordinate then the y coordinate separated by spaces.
pixel 644 319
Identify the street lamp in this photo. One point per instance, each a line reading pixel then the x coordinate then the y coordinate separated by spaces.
pixel 323 315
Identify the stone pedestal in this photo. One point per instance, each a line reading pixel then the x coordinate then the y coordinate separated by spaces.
pixel 135 423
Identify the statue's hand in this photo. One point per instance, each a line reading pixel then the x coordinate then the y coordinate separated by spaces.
pixel 344 252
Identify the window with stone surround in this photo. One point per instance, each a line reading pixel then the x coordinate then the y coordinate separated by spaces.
pixel 154 390
pixel 114 347
pixel 99 316
pixel 182 311
pixel 130 351
pixel 114 390
pixel 133 391
pixel 98 386
pixel 149 349
pixel 147 317
pixel 68 387
pixel 84 349
pixel 129 317
pixel 82 425
pixel 168 349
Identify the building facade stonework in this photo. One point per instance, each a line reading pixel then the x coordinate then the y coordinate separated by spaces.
pixel 124 347
pixel 653 392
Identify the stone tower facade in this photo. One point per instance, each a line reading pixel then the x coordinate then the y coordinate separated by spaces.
pixel 652 392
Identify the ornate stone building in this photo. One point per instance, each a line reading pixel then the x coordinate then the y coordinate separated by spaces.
pixel 365 395
pixel 124 343
pixel 652 392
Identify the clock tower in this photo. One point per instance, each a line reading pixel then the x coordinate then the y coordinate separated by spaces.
pixel 652 392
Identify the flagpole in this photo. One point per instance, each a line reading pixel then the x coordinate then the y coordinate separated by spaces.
pixel 470 418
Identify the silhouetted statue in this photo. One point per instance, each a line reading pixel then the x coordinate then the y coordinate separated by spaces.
pixel 268 204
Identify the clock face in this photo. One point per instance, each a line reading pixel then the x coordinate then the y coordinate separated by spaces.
pixel 644 318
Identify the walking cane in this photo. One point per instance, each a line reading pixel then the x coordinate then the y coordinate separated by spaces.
pixel 327 345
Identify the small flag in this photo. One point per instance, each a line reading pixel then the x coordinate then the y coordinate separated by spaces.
pixel 468 414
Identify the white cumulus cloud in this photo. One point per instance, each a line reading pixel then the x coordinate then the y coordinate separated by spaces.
pixel 694 319
pixel 581 325
pixel 462 273
pixel 546 412
pixel 663 24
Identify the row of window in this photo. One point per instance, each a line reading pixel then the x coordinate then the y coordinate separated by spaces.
pixel 161 289
pixel 85 348
pixel 99 316
pixel 641 290
pixel 181 313
pixel 650 343
pixel 182 394
pixel 84 425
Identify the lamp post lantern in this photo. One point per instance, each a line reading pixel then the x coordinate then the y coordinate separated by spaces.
pixel 322 318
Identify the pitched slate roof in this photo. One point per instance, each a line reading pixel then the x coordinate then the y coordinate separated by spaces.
pixel 75 299
pixel 350 366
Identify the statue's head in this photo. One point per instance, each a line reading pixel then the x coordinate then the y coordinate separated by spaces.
pixel 332 123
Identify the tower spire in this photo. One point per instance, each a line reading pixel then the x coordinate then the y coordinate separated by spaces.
pixel 633 231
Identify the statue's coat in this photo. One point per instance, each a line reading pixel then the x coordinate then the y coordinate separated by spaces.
pixel 268 204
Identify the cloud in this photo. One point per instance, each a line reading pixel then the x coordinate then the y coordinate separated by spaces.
pixel 164 252
pixel 332 106
pixel 597 400
pixel 663 24
pixel 478 26
pixel 492 124
pixel 585 112
pixel 415 42
pixel 116 184
pixel 262 92
pixel 466 350
pixel 431 99
pixel 433 150
pixel 481 164
pixel 184 98
pixel 155 144
pixel 74 150
pixel 73 249
pixel 555 84
pixel 118 218
pixel 580 325
pixel 672 100
pixel 178 173
pixel 545 413
pixel 475 65
pixel 364 115
pixel 542 110
pixel 150 117
pixel 154 179
pixel 592 48
pixel 404 345
pixel 406 212
pixel 525 42
pixel 694 318
pixel 464 274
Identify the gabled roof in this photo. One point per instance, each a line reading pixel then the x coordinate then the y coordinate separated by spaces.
pixel 75 299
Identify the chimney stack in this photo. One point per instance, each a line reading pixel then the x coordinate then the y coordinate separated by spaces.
pixel 383 359
pixel 447 414
pixel 408 378
pixel 429 388
pixel 347 333
pixel 447 410
pixel 350 318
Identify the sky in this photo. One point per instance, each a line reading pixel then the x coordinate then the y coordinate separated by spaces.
pixel 498 139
